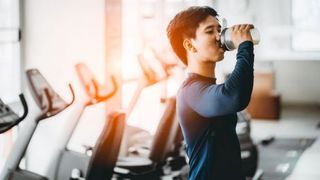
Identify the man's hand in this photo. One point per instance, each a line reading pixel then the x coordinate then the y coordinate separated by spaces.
pixel 241 33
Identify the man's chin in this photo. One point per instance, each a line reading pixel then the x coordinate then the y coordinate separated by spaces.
pixel 220 58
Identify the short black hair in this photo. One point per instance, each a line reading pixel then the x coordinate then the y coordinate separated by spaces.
pixel 184 25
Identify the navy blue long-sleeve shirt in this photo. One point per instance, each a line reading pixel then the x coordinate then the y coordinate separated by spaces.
pixel 207 115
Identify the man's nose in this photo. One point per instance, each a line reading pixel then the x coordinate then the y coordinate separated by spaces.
pixel 218 36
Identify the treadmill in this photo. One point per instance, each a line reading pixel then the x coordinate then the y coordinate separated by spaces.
pixel 8 118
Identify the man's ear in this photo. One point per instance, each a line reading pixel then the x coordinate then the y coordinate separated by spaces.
pixel 187 44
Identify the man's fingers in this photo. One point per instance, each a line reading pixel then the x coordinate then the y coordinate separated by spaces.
pixel 235 28
pixel 246 27
pixel 242 27
pixel 249 26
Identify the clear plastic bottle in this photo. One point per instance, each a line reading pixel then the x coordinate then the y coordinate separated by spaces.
pixel 226 41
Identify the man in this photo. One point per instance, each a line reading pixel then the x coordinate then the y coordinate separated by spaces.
pixel 206 110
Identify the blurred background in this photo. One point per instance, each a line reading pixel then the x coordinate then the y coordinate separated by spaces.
pixel 127 38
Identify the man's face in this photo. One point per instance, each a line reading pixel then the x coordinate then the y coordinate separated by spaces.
pixel 207 40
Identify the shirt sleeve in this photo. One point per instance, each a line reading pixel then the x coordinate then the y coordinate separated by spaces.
pixel 211 100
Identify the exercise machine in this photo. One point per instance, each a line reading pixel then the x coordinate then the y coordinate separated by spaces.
pixel 164 142
pixel 8 118
pixel 160 160
pixel 75 165
pixel 50 104
pixel 249 151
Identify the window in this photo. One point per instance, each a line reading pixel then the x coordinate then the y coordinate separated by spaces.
pixel 306 15
pixel 144 32
pixel 9 64
pixel 9 50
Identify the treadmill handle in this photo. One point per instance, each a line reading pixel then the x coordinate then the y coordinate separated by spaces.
pixel 25 107
pixel 48 109
pixel 24 115
pixel 73 96
pixel 99 98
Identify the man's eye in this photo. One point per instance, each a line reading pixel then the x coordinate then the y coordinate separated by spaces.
pixel 209 32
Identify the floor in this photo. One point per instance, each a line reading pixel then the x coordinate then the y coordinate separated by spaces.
pixel 295 122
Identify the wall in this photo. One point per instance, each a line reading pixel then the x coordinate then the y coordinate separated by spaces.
pixel 297 73
pixel 56 35
pixel 298 81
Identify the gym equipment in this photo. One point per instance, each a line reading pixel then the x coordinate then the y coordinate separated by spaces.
pixel 76 166
pixel 95 91
pixel 8 118
pixel 158 163
pixel 167 68
pixel 164 144
pixel 164 153
pixel 249 151
pixel 50 104
pixel 73 164
pixel 150 77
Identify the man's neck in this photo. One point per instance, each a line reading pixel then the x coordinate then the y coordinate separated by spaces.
pixel 206 69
